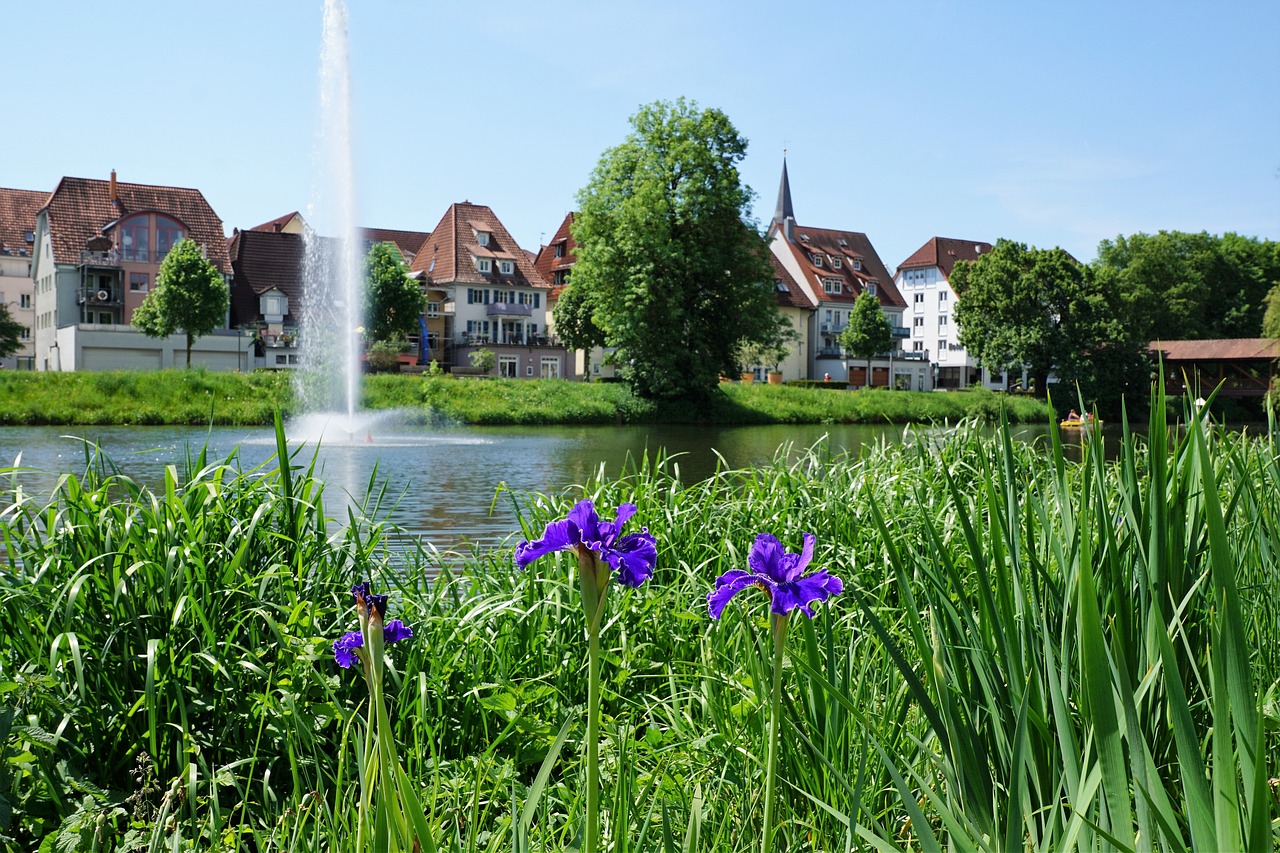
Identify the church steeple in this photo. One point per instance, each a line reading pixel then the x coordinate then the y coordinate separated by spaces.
pixel 784 216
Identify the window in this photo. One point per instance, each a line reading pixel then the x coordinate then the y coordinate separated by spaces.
pixel 559 250
pixel 550 367
pixel 817 260
pixel 919 299
pixel 835 262
pixel 943 296
pixel 942 321
pixel 781 287
pixel 168 235
pixel 919 323
pixel 870 288
pixel 136 239
pixel 942 346
pixel 508 366
pixel 917 346
pixel 857 263
pixel 832 285
pixel 25 335
pixel 24 300
pixel 477 296
pixel 433 310
pixel 139 282
pixel 482 237
pixel 484 264
pixel 506 267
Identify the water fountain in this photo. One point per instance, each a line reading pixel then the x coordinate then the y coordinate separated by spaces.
pixel 328 383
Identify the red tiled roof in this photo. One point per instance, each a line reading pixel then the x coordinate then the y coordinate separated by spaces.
pixel 278 223
pixel 80 208
pixel 828 243
pixel 408 242
pixel 1220 349
pixel 546 262
pixel 18 209
pixel 446 254
pixel 943 252
pixel 794 295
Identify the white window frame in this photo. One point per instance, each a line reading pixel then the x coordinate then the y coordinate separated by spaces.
pixel 433 310
pixel 835 262
pixel 832 286
pixel 482 237
pixel 506 267
pixel 484 264
pixel 817 260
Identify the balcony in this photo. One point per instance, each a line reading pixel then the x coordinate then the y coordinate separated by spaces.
pixel 100 259
pixel 833 328
pixel 99 296
pixel 508 309
pixel 901 332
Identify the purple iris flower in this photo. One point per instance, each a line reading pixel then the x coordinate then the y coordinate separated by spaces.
pixel 778 573
pixel 370 606
pixel 632 556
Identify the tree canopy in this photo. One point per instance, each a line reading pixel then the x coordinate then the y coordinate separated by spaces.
pixel 869 332
pixel 189 294
pixel 1043 309
pixel 668 270
pixel 10 332
pixel 395 302
pixel 1271 319
pixel 1178 286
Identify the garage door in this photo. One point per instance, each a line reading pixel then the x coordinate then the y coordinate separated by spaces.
pixel 102 358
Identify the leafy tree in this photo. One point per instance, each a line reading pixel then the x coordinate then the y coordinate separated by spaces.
pixel 483 360
pixel 1043 309
pixel 10 333
pixel 395 301
pixel 1271 319
pixel 667 271
pixel 770 349
pixel 869 332
pixel 190 294
pixel 1178 286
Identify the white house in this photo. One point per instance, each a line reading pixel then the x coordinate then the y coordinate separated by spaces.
pixel 924 281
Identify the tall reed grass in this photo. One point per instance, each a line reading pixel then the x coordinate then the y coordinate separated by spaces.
pixel 1031 653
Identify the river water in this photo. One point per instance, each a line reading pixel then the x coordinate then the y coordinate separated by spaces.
pixel 440 482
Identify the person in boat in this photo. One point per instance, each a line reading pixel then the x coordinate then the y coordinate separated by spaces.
pixel 1073 417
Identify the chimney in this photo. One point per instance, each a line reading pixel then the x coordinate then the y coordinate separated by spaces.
pixel 789 229
pixel 115 196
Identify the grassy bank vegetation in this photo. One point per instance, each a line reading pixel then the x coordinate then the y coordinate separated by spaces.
pixel 1030 654
pixel 197 397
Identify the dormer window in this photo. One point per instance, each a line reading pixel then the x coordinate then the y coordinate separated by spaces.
pixel 835 262
pixel 482 237
pixel 857 263
pixel 781 287
pixel 560 249
pixel 832 286
pixel 871 288
pixel 817 260
pixel 484 264
pixel 506 267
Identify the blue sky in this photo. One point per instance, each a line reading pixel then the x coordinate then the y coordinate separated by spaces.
pixel 1055 124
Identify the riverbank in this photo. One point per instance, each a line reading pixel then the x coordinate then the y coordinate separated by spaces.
pixel 195 397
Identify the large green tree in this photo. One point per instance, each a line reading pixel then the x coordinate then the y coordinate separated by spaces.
pixel 1043 309
pixel 10 332
pixel 1178 286
pixel 868 333
pixel 667 271
pixel 395 301
pixel 1271 319
pixel 190 294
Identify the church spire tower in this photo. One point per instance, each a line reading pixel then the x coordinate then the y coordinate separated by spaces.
pixel 784 216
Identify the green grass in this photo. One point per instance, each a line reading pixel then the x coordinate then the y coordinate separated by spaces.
pixel 197 397
pixel 1031 653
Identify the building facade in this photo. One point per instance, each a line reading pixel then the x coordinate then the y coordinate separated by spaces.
pixel 98 248
pixel 18 210
pixel 924 281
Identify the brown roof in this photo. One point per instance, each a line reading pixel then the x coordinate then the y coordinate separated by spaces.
pixel 793 296
pixel 266 260
pixel 18 209
pixel 446 255
pixel 278 223
pixel 845 245
pixel 80 208
pixel 546 262
pixel 1220 349
pixel 408 242
pixel 943 252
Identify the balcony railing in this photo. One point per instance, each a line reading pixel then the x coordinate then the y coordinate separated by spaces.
pixel 833 328
pixel 901 332
pixel 99 296
pixel 508 309
pixel 100 259
pixel 463 339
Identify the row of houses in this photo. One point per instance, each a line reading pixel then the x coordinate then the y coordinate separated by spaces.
pixel 77 261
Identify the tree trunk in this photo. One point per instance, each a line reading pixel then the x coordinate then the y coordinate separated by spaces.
pixel 868 377
pixel 1041 381
pixel 190 342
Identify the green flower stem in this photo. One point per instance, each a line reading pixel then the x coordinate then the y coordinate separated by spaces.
pixel 779 625
pixel 593 578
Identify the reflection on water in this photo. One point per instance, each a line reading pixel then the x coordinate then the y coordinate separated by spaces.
pixel 440 482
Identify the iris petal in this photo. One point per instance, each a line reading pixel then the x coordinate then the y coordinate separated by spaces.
pixel 557 536
pixel 344 648
pixel 395 631
pixel 780 572
pixel 728 585
pixel 633 558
